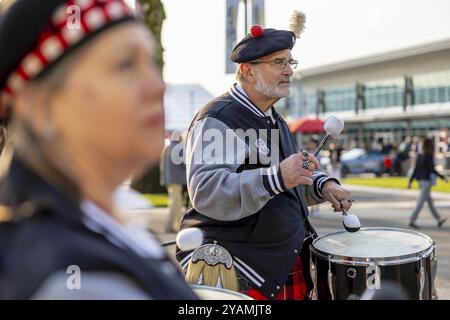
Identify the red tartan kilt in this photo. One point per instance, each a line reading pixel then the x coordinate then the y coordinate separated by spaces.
pixel 295 287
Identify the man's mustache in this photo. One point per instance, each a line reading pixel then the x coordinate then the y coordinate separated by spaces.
pixel 285 80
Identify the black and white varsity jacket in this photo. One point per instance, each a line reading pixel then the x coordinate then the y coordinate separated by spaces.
pixel 239 199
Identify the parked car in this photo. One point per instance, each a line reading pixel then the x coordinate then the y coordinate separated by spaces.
pixel 359 160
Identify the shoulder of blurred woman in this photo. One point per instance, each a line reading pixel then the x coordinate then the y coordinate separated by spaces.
pixel 34 247
pixel 28 247
pixel 38 232
pixel 95 286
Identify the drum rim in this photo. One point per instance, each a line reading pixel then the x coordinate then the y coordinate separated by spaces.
pixel 379 261
pixel 234 293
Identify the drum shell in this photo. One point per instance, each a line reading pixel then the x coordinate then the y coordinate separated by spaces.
pixel 349 276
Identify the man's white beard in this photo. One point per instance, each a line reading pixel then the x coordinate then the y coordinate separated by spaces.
pixel 272 91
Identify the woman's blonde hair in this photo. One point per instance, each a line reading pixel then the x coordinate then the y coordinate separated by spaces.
pixel 32 148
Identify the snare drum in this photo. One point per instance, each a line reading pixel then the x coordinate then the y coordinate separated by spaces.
pixel 212 293
pixel 344 265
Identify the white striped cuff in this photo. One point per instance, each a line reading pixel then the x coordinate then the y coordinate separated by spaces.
pixel 272 180
pixel 320 181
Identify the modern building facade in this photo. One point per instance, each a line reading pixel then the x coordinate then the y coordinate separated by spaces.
pixel 181 103
pixel 387 96
pixel 390 95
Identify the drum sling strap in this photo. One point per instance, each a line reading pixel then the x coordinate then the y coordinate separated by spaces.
pixel 305 253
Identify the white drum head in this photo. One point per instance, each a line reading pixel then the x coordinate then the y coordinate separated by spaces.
pixel 373 243
pixel 211 293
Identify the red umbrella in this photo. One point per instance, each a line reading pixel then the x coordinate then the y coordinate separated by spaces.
pixel 306 125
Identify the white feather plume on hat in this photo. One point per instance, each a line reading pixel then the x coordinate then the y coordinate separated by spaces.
pixel 297 23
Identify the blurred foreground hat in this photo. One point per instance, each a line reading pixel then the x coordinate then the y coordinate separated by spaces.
pixel 35 35
pixel 261 42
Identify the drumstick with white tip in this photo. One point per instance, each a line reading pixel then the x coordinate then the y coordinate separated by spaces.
pixel 351 222
pixel 333 127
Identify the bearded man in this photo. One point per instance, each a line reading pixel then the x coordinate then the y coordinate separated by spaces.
pixel 249 184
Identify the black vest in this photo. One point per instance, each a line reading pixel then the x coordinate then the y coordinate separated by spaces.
pixel 51 236
pixel 269 240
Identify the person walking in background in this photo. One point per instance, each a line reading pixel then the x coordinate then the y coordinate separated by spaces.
pixel 186 200
pixel 335 160
pixel 423 172
pixel 173 176
pixel 403 157
pixel 387 161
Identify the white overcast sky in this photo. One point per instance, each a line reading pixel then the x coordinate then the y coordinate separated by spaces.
pixel 194 33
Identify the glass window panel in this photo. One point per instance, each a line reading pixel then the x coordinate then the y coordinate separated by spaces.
pixel 432 87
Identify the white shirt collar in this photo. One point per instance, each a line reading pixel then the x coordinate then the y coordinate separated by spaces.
pixel 129 237
pixel 269 113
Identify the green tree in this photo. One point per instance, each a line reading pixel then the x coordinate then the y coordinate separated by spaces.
pixel 154 15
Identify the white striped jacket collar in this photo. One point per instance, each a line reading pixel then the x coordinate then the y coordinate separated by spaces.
pixel 240 96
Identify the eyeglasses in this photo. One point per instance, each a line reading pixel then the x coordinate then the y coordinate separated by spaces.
pixel 280 64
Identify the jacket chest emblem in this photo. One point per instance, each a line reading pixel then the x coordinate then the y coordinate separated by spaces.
pixel 262 147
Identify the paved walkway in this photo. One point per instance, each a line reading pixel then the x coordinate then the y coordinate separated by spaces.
pixel 376 207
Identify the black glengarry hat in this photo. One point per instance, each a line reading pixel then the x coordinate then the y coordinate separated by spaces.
pixel 35 35
pixel 261 42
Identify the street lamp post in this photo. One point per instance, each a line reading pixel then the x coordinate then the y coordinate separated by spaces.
pixel 245 16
